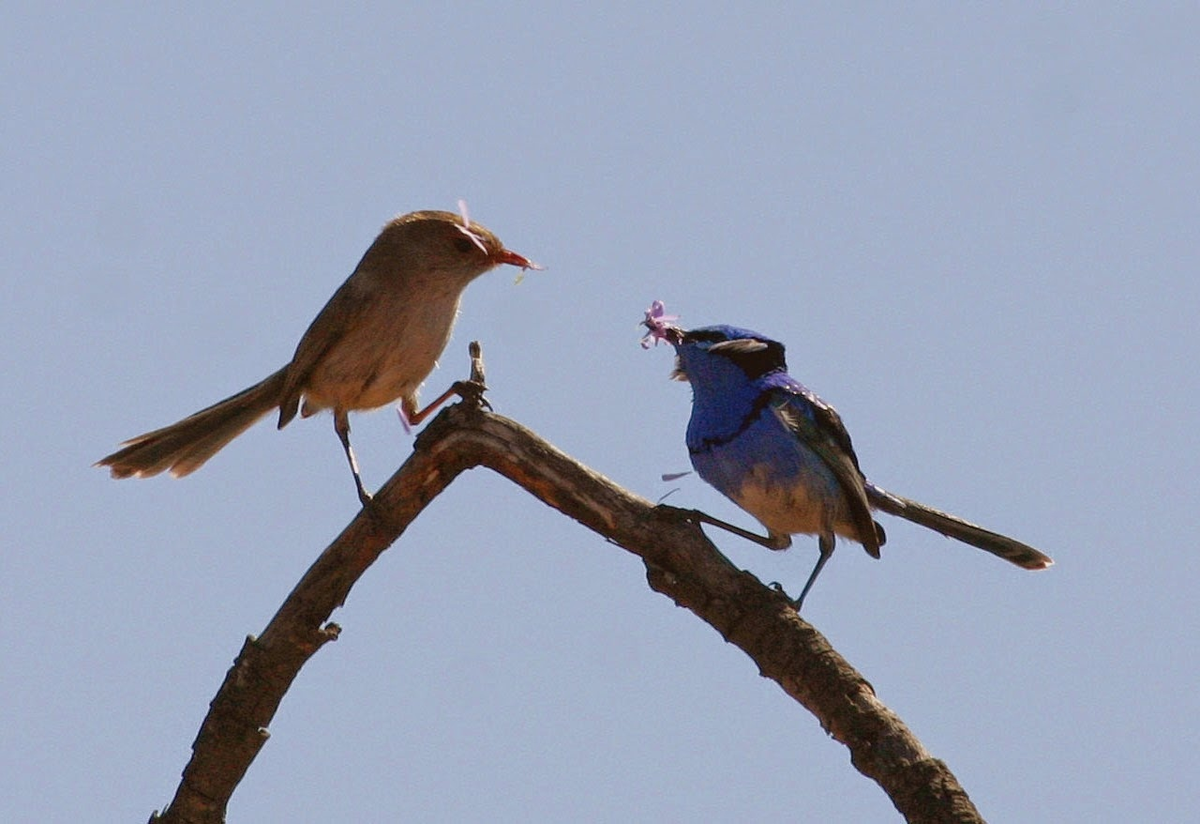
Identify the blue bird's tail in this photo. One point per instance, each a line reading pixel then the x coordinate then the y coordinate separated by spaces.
pixel 951 526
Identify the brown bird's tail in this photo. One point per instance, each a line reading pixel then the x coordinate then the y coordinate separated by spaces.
pixel 951 526
pixel 183 447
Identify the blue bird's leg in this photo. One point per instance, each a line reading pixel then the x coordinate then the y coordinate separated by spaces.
pixel 825 543
pixel 771 541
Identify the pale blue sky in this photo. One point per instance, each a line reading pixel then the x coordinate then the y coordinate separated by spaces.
pixel 976 230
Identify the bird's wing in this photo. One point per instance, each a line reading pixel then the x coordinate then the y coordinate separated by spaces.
pixel 323 334
pixel 819 427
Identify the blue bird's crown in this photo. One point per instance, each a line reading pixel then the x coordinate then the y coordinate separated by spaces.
pixel 756 355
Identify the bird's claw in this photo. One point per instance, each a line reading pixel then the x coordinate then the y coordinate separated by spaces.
pixel 686 515
pixel 472 392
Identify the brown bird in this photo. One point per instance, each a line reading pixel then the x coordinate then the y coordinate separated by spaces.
pixel 376 341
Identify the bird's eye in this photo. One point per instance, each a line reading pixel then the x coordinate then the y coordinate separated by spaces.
pixel 463 244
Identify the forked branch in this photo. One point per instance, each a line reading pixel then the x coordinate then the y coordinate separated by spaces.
pixel 680 561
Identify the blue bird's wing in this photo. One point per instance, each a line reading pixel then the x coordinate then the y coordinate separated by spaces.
pixel 819 427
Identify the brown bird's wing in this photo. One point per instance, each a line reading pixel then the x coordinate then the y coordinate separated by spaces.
pixel 323 334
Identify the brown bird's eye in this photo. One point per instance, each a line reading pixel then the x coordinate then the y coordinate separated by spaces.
pixel 463 245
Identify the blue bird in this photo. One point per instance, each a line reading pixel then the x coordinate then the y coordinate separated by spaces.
pixel 782 454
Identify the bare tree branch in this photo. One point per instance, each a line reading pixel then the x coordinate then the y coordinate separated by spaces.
pixel 680 561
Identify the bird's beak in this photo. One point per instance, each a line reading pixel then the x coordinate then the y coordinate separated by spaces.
pixel 513 259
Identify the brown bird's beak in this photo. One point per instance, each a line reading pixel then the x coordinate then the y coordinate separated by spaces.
pixel 513 259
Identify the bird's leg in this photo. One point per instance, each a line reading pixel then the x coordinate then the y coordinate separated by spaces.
pixel 769 541
pixel 825 544
pixel 341 425
pixel 471 391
